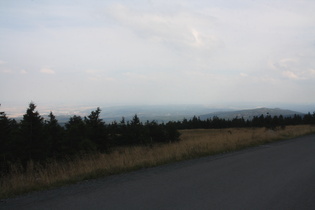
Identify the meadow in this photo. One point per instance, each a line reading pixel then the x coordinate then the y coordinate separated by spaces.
pixel 194 143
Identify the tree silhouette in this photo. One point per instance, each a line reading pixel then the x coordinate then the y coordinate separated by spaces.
pixel 76 136
pixel 33 145
pixel 6 140
pixel 55 135
pixel 96 130
pixel 34 138
pixel 136 132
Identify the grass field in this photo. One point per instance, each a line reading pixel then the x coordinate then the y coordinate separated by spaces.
pixel 194 143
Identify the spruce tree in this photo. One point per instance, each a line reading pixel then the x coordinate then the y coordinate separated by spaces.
pixel 5 137
pixel 137 133
pixel 54 133
pixel 96 131
pixel 75 135
pixel 32 142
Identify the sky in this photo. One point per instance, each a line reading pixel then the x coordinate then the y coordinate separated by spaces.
pixel 67 52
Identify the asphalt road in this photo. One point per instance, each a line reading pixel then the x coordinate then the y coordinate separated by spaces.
pixel 274 176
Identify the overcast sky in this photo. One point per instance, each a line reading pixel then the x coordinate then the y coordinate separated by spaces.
pixel 157 52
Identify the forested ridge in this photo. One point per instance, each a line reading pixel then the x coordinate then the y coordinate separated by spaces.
pixel 37 139
pixel 268 121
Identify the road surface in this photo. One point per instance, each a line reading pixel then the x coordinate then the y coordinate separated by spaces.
pixel 275 176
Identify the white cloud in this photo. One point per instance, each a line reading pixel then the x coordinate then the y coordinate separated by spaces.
pixel 92 71
pixel 93 78
pixel 101 79
pixel 7 71
pixel 98 75
pixel 287 62
pixel 47 71
pixel 135 76
pixel 298 68
pixel 179 29
pixel 291 75
pixel 23 71
pixel 243 75
pixel 163 51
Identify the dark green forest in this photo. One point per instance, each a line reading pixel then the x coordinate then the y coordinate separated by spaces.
pixel 37 139
pixel 267 121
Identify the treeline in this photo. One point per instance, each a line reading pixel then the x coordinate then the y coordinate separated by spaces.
pixel 258 121
pixel 34 138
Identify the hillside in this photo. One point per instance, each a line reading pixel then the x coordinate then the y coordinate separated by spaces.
pixel 250 113
pixel 159 113
pixel 165 113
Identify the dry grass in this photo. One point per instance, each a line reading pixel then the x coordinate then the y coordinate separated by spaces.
pixel 194 143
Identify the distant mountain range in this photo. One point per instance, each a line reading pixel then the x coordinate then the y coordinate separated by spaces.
pixel 250 113
pixel 159 113
pixel 165 113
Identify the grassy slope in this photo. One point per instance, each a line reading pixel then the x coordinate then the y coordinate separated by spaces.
pixel 195 143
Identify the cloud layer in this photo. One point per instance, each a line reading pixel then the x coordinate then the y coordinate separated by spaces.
pixel 47 71
pixel 158 52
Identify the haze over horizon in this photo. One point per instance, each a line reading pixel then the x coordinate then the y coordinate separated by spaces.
pixel 94 53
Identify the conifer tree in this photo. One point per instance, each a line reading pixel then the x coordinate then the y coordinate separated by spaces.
pixel 32 141
pixel 5 135
pixel 54 133
pixel 96 130
pixel 75 135
pixel 137 134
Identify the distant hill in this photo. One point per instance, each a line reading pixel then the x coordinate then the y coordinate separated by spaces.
pixel 250 113
pixel 159 113
pixel 165 113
